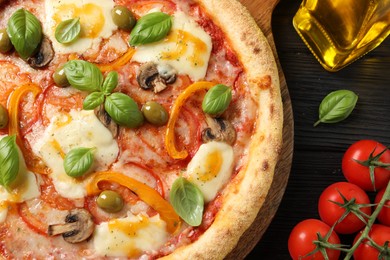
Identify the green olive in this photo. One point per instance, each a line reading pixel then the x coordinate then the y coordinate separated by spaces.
pixel 110 201
pixel 5 42
pixel 155 113
pixel 3 117
pixel 123 18
pixel 59 77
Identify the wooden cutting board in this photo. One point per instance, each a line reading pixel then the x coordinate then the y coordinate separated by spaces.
pixel 262 10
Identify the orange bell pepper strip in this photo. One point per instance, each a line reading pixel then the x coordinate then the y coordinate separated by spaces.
pixel 34 163
pixel 144 192
pixel 13 107
pixel 118 63
pixel 175 111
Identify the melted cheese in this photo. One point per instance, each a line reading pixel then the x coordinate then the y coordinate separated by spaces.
pixel 95 20
pixel 187 48
pixel 28 189
pixel 128 237
pixel 211 168
pixel 68 131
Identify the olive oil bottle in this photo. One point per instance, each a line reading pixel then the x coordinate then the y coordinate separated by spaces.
pixel 340 31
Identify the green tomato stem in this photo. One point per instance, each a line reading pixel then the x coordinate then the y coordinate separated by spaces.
pixel 370 222
pixel 380 164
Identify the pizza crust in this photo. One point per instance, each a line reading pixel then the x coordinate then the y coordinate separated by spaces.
pixel 244 196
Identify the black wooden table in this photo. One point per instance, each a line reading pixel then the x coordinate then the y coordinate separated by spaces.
pixel 318 151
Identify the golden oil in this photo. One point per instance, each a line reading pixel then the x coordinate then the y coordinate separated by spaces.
pixel 340 31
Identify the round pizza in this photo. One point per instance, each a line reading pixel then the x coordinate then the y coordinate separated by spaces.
pixel 133 129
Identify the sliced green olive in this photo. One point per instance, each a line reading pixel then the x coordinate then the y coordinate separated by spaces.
pixel 110 201
pixel 155 113
pixel 3 117
pixel 5 42
pixel 59 77
pixel 123 18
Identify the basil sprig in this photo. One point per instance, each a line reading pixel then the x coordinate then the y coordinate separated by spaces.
pixel 110 82
pixel 83 75
pixel 93 100
pixel 150 28
pixel 9 160
pixel 78 161
pixel 25 32
pixel 187 200
pixel 68 31
pixel 217 100
pixel 336 106
pixel 123 110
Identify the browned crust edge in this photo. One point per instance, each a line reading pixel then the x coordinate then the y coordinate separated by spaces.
pixel 244 197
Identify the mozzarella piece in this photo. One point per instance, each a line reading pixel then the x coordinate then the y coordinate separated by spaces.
pixel 187 48
pixel 28 189
pixel 73 130
pixel 211 168
pixel 95 20
pixel 128 236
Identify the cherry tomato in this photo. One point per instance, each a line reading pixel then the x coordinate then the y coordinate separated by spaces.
pixel 331 212
pixel 380 234
pixel 359 174
pixel 384 214
pixel 300 242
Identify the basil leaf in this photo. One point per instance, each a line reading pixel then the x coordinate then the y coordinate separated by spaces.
pixel 150 28
pixel 9 160
pixel 25 32
pixel 93 100
pixel 78 161
pixel 123 110
pixel 337 106
pixel 83 75
pixel 187 200
pixel 217 100
pixel 68 31
pixel 110 82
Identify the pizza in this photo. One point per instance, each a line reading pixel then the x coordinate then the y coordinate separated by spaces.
pixel 133 129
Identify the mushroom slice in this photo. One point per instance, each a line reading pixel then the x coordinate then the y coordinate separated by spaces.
pixel 219 130
pixel 78 226
pixel 107 121
pixel 44 55
pixel 167 73
pixel 156 76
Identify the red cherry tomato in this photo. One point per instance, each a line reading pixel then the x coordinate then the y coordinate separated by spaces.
pixel 300 242
pixel 380 234
pixel 384 214
pixel 331 212
pixel 359 174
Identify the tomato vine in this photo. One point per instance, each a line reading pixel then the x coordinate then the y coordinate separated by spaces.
pixel 344 208
pixel 370 222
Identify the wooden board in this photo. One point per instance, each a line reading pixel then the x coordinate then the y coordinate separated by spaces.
pixel 261 10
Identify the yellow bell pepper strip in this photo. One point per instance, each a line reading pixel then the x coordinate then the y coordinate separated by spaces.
pixel 144 192
pixel 175 111
pixel 118 63
pixel 34 164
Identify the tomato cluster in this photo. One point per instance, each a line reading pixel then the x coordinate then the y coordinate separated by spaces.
pixel 344 208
